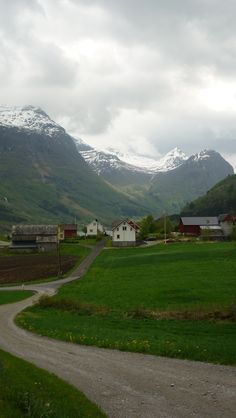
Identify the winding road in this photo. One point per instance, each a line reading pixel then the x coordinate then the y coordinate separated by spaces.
pixel 124 385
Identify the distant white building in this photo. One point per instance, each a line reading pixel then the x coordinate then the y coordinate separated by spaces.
pixel 95 228
pixel 124 233
pixel 226 222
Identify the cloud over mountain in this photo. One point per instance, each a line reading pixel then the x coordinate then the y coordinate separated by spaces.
pixel 150 74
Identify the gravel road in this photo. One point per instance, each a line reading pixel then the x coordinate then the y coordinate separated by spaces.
pixel 125 385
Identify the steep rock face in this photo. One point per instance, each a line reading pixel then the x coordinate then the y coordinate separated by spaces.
pixel 44 178
pixel 192 179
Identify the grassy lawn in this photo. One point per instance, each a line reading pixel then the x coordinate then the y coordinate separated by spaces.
pixel 176 300
pixel 88 241
pixel 27 391
pixel 14 296
pixel 74 249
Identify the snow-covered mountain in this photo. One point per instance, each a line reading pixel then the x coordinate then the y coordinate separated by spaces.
pixel 29 118
pixel 44 178
pixel 169 161
pixel 199 173
pixel 103 161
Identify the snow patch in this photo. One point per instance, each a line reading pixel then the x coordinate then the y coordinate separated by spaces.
pixel 29 118
pixel 105 160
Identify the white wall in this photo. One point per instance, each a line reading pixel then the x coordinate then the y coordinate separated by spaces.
pixel 227 228
pixel 124 232
pixel 94 228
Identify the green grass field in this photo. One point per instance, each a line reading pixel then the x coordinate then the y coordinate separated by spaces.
pixel 27 391
pixel 176 300
pixel 74 249
pixel 12 296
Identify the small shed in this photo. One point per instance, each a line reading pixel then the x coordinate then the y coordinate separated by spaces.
pixel 34 237
pixel 124 233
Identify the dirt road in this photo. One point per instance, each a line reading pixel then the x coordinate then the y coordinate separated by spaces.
pixel 125 385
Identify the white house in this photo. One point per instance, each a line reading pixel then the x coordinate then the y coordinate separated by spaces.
pixel 227 222
pixel 94 228
pixel 124 233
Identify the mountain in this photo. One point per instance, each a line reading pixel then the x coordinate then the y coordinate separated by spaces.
pixel 117 172
pixel 164 185
pixel 112 164
pixel 220 199
pixel 190 180
pixel 130 173
pixel 170 161
pixel 45 179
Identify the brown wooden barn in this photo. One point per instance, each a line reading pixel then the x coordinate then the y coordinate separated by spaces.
pixel 34 237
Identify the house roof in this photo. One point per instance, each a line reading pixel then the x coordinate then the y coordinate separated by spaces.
pixel 34 230
pixel 129 221
pixel 226 217
pixel 68 227
pixel 200 221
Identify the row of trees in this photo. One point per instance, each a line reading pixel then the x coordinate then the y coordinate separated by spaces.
pixel 159 227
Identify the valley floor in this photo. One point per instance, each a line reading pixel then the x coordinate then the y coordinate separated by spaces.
pixel 176 300
pixel 125 385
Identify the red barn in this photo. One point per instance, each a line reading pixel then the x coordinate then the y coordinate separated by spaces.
pixel 67 231
pixel 193 225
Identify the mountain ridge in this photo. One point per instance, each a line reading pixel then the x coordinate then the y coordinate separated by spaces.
pixel 45 177
pixel 219 199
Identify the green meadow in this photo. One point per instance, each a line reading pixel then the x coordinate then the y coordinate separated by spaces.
pixel 176 300
pixel 27 391
pixel 12 296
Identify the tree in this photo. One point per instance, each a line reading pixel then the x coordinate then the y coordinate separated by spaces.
pixel 147 226
pixel 163 225
pixel 233 233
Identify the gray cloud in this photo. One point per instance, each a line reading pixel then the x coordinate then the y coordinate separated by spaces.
pixel 155 72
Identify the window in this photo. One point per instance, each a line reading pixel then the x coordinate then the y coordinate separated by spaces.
pixel 131 229
pixel 90 230
pixel 118 236
pixel 117 229
pixel 124 228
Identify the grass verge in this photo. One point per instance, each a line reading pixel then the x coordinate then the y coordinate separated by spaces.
pixel 12 296
pixel 27 391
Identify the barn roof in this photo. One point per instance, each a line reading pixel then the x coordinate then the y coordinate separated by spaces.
pixel 200 220
pixel 69 227
pixel 34 230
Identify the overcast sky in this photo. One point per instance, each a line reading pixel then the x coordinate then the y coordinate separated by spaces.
pixel 146 75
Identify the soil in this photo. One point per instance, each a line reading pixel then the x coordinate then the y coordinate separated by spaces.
pixel 28 267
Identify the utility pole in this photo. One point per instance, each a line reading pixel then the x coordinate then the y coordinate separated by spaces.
pixel 165 227
pixel 59 274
